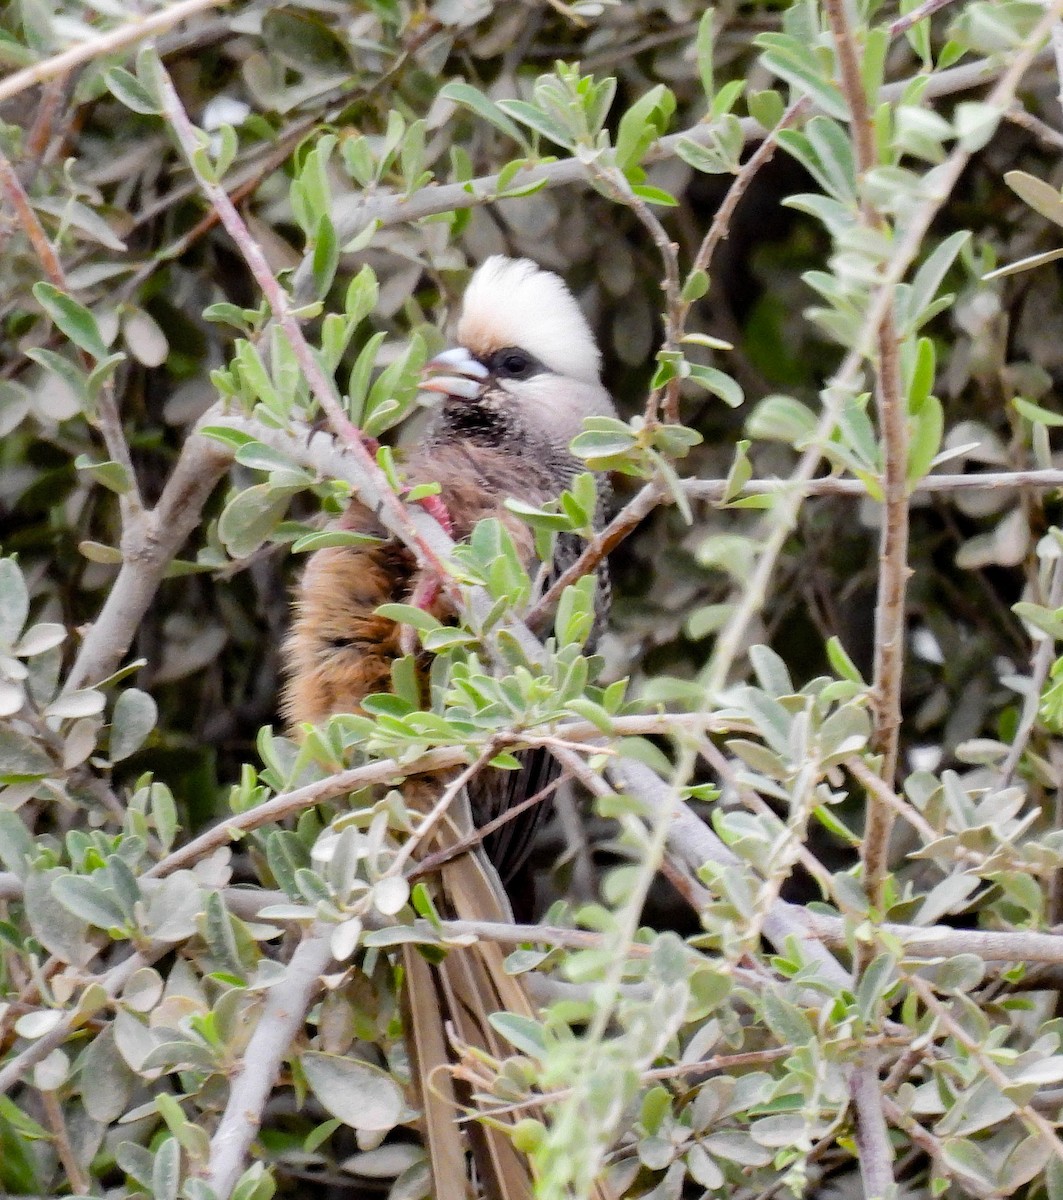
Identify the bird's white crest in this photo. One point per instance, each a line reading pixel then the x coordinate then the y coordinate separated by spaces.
pixel 514 302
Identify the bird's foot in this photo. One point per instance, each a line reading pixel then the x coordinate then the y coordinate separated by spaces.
pixel 436 507
pixel 424 596
pixel 348 432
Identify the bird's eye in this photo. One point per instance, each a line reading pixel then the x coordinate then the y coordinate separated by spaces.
pixel 513 363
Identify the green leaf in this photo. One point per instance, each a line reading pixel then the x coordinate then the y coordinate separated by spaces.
pixel 929 277
pixel 134 717
pixel 361 1095
pixel 485 108
pixel 766 108
pixel 841 662
pixel 71 319
pixel 788 59
pixel 111 475
pixel 126 88
pixel 1042 197
pixel 1037 415
pixel 21 757
pixel 524 1033
pixel 534 118
pixel 654 195
pixel 925 441
pixel 332 537
pixel 703 48
pixel 166 1172
pixel 251 516
pixel 90 901
pixel 718 383
pixel 695 286
pixel 409 614
pixel 642 124
pixel 14 601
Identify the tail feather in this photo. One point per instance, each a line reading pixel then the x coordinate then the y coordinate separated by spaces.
pixel 450 1010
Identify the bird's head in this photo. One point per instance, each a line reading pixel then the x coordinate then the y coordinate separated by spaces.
pixel 525 354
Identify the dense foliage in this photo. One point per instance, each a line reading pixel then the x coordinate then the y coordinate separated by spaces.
pixel 798 896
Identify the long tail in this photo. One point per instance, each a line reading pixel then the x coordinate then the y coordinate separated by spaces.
pixel 452 1000
pixel 447 1005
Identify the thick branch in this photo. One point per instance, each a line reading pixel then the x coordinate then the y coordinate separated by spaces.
pixel 282 1017
pixel 156 540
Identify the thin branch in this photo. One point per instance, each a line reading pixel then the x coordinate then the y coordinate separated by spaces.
pixel 56 1122
pixel 432 862
pixel 1045 479
pixel 893 431
pixel 919 13
pixel 15 195
pixel 1041 130
pixel 391 208
pixel 283 1016
pixel 446 798
pixel 1030 1117
pixel 372 484
pixel 721 221
pixel 107 43
pixel 386 771
pixel 616 183
pixel 695 844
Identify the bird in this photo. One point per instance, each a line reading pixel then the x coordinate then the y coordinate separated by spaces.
pixel 513 393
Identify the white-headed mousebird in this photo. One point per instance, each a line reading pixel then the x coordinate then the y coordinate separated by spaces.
pixel 515 392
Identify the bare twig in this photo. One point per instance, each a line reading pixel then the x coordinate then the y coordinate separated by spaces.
pixel 919 13
pixel 616 182
pixel 15 195
pixel 1041 130
pixel 110 42
pixel 447 797
pixel 56 1122
pixel 721 221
